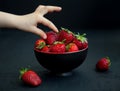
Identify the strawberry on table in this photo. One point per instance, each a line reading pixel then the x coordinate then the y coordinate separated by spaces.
pixel 30 77
pixel 71 47
pixel 65 35
pixel 80 41
pixel 103 64
pixel 58 47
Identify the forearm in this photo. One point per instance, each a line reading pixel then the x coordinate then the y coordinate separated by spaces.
pixel 8 20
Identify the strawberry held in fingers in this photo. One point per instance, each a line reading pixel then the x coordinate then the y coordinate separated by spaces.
pixel 30 77
pixel 65 35
pixel 103 64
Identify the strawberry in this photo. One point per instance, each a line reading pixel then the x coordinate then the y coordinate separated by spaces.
pixel 30 77
pixel 80 41
pixel 51 37
pixel 58 47
pixel 40 43
pixel 45 49
pixel 103 64
pixel 65 35
pixel 71 47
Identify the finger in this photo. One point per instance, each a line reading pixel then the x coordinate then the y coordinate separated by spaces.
pixel 39 32
pixel 45 9
pixel 53 8
pixel 48 23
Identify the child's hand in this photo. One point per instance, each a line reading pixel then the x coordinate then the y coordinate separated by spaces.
pixel 29 22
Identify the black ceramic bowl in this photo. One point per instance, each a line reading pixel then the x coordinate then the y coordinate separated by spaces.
pixel 61 63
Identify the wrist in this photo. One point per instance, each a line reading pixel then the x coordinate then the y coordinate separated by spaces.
pixel 17 21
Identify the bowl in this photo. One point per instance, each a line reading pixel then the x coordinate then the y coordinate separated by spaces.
pixel 62 62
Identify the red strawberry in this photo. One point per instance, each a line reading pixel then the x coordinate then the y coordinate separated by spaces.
pixel 65 35
pixel 80 41
pixel 51 37
pixel 58 47
pixel 103 64
pixel 40 43
pixel 71 47
pixel 30 77
pixel 45 49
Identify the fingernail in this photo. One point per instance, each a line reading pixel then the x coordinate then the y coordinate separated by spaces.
pixel 44 37
pixel 60 8
pixel 57 31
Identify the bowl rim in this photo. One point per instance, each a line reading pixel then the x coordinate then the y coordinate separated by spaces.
pixel 61 53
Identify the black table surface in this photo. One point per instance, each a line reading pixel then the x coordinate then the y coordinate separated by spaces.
pixel 16 51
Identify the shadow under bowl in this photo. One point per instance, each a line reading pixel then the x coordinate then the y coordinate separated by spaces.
pixel 61 63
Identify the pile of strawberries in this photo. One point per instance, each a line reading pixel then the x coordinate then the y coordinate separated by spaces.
pixel 64 41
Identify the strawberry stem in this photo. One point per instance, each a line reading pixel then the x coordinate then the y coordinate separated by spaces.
pixel 63 41
pixel 81 37
pixel 67 47
pixel 41 45
pixel 108 60
pixel 58 42
pixel 22 71
pixel 67 30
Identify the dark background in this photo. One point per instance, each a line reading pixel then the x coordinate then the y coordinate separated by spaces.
pixel 77 14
